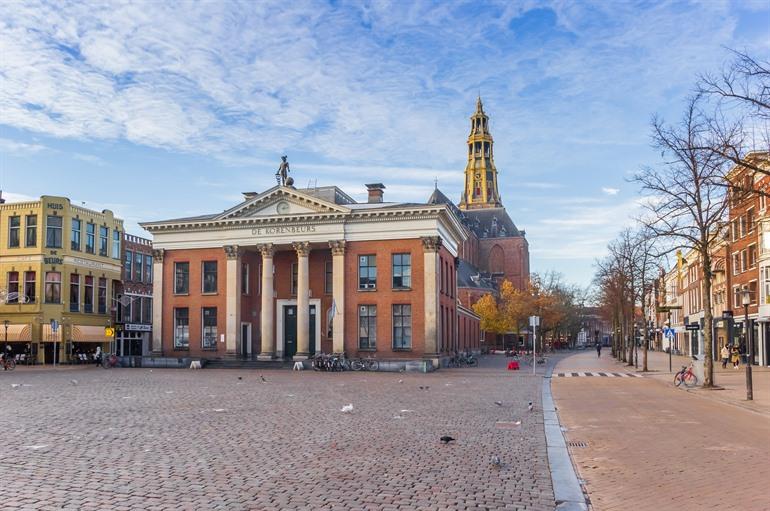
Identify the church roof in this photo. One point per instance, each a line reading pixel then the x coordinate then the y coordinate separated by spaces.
pixel 470 277
pixel 491 223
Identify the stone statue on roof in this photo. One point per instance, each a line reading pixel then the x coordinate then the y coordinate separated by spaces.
pixel 282 176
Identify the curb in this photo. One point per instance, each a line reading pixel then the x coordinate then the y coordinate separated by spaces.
pixel 567 491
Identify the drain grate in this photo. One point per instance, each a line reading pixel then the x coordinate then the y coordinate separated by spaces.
pixel 577 444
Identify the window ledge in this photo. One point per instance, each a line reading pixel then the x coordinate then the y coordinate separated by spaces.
pixel 208 349
pixel 210 294
pixel 397 289
pixel 181 294
pixel 181 349
pixel 402 349
pixel 369 350
pixel 368 290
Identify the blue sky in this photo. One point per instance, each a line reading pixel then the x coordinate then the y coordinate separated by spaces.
pixel 161 109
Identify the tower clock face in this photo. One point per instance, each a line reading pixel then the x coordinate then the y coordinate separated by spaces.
pixel 282 207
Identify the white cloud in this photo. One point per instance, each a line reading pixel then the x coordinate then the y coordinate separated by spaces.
pixel 15 147
pixel 610 191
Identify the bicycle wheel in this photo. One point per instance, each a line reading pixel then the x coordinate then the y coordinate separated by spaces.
pixel 11 365
pixel 690 380
pixel 678 379
pixel 357 365
pixel 472 362
pixel 372 365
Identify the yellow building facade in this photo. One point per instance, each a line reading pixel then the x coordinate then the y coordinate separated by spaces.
pixel 59 266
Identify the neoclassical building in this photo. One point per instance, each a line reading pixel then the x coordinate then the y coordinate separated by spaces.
pixel 288 272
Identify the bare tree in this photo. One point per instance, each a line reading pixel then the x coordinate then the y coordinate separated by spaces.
pixel 686 200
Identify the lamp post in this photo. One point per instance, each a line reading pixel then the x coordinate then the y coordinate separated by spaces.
pixel 747 337
pixel 670 344
pixel 5 324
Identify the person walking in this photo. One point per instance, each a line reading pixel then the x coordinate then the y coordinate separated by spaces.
pixel 736 357
pixel 725 356
pixel 598 350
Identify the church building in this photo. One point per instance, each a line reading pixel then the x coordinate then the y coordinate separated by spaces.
pixel 289 272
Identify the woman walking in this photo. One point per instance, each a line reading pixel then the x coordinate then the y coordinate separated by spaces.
pixel 736 357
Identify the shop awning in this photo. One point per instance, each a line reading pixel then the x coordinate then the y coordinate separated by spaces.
pixel 49 336
pixel 88 333
pixel 17 333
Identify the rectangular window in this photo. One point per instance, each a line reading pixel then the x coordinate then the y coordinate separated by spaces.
pixel 88 296
pixel 29 286
pixel 136 310
pixel 744 260
pixel 181 328
pixel 147 269
pixel 402 271
pixel 104 237
pixel 734 229
pixel 137 267
pixel 766 285
pixel 367 272
pixel 13 287
pixel 102 296
pixel 367 327
pixel 328 277
pixel 244 279
pixel 752 256
pixel 182 278
pixel 762 200
pixel 209 276
pixel 753 292
pixel 14 231
pixel 75 241
pixel 209 335
pixel 736 263
pixel 53 231
pixel 737 298
pixel 116 244
pixel 402 327
pixel 750 220
pixel 90 238
pixel 146 310
pixel 31 235
pixel 52 287
pixel 129 264
pixel 74 292
pixel 294 278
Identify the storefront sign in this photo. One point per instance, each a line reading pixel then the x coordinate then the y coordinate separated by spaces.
pixel 53 260
pixel 137 327
pixel 282 229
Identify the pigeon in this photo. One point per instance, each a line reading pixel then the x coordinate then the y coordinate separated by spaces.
pixel 15 385
pixel 446 439
pixel 400 381
pixel 530 407
pixel 499 403
pixel 423 387
pixel 496 461
pixel 347 408
pixel 262 378
pixel 240 377
pixel 74 382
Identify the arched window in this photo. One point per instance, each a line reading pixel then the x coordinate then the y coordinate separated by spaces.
pixel 496 262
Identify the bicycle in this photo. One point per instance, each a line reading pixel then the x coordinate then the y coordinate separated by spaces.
pixel 686 376
pixel 9 364
pixel 110 361
pixel 364 364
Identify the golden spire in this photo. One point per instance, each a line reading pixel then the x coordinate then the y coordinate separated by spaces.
pixel 480 172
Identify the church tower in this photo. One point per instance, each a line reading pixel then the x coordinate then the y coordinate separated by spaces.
pixel 480 173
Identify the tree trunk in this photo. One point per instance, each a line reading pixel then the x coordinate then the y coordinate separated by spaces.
pixel 708 319
pixel 645 339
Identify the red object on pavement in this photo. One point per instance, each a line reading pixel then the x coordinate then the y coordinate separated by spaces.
pixel 513 365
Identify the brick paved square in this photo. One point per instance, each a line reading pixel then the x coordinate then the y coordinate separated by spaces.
pixel 222 439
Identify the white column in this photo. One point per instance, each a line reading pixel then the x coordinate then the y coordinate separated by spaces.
pixel 268 304
pixel 338 295
pixel 303 300
pixel 232 297
pixel 157 301
pixel 431 245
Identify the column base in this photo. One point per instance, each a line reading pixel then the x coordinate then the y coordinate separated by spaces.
pixel 301 356
pixel 266 357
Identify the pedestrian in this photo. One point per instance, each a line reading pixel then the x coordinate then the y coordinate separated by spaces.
pixel 725 356
pixel 598 350
pixel 736 356
pixel 98 355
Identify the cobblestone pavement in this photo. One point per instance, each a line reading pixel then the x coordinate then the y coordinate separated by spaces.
pixel 222 439
pixel 654 447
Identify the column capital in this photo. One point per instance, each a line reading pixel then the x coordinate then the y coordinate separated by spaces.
pixel 232 251
pixel 266 249
pixel 157 254
pixel 431 243
pixel 338 247
pixel 302 248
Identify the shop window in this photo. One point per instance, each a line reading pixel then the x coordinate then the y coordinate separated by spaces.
pixel 402 327
pixel 367 327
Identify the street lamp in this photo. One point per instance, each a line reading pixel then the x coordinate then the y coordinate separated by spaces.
pixel 5 324
pixel 749 382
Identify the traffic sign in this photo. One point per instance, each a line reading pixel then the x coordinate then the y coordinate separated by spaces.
pixel 109 331
pixel 668 333
pixel 692 326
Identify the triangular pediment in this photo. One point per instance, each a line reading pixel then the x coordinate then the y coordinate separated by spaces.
pixel 282 201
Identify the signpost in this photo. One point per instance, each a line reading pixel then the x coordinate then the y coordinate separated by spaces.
pixel 668 331
pixel 534 322
pixel 54 330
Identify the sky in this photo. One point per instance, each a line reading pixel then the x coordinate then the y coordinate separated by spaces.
pixel 159 110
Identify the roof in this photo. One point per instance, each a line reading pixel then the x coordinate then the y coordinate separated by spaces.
pixel 491 223
pixel 470 277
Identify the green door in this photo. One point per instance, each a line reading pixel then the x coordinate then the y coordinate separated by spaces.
pixel 289 331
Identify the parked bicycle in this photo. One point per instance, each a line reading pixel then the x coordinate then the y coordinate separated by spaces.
pixel 8 363
pixel 330 362
pixel 364 364
pixel 109 361
pixel 686 376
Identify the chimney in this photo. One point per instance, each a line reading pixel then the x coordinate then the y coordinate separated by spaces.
pixel 2 201
pixel 375 192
